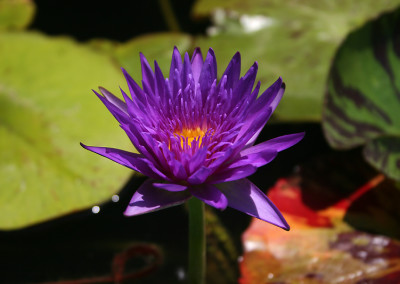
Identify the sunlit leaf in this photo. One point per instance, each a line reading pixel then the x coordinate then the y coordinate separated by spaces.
pixel 47 108
pixel 297 41
pixel 155 47
pixel 363 99
pixel 158 46
pixel 16 14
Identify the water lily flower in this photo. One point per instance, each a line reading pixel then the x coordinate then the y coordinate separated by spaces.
pixel 195 135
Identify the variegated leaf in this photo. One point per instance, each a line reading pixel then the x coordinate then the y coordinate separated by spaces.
pixel 362 102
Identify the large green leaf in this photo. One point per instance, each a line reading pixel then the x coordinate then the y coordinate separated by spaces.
pixel 158 46
pixel 16 14
pixel 47 108
pixel 362 103
pixel 298 42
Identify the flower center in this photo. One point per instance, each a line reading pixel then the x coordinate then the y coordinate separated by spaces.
pixel 189 135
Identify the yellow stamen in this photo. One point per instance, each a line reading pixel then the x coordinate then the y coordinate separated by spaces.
pixel 191 134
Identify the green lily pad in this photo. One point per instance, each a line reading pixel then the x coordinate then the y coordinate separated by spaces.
pixel 384 154
pixel 363 98
pixel 47 108
pixel 16 14
pixel 155 47
pixel 158 46
pixel 297 42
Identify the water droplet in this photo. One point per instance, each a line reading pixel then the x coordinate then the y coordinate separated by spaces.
pixel 180 272
pixel 95 209
pixel 115 198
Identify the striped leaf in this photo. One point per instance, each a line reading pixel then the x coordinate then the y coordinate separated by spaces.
pixel 362 102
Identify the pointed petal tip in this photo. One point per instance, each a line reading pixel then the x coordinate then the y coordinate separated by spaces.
pixel 106 93
pixel 211 52
pixel 94 91
pixel 281 223
pixel 132 211
pixel 197 50
pixel 244 196
pixel 127 213
pixel 197 54
pixel 176 51
pixel 126 74
pixel 255 66
pixel 102 89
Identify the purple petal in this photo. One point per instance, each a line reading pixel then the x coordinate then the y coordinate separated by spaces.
pixel 277 144
pixel 130 160
pixel 245 85
pixel 210 195
pixel 160 82
pixel 147 72
pixel 267 102
pixel 176 61
pixel 177 169
pixel 248 198
pixel 253 126
pixel 186 74
pixel 149 198
pixel 176 64
pixel 199 176
pixel 197 159
pixel 170 186
pixel 256 159
pixel 208 73
pixel 134 89
pixel 113 99
pixel 132 109
pixel 273 95
pixel 230 174
pixel 120 115
pixel 197 64
pixel 233 71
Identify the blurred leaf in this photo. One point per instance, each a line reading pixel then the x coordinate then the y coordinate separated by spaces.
pixel 16 14
pixel 327 207
pixel 155 47
pixel 297 41
pixel 363 99
pixel 46 109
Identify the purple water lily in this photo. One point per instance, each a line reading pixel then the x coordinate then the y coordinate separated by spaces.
pixel 194 135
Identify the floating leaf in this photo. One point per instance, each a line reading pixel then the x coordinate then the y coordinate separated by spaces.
pixel 153 46
pixel 363 98
pixel 297 41
pixel 46 109
pixel 16 14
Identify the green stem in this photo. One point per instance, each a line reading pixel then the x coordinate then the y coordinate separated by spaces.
pixel 197 242
pixel 169 15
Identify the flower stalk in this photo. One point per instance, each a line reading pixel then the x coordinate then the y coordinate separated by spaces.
pixel 197 242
